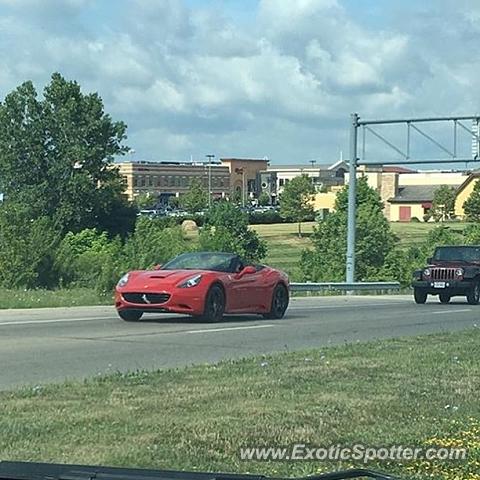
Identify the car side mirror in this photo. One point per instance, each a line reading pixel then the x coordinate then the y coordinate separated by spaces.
pixel 157 267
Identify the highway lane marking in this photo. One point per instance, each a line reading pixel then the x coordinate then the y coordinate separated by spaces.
pixel 444 312
pixel 226 329
pixel 59 320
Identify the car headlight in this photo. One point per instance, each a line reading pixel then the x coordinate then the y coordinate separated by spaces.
pixel 459 272
pixel 191 282
pixel 123 281
pixel 427 272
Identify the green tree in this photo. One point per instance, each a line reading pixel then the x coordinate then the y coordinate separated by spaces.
pixel 153 243
pixel 89 259
pixel 374 239
pixel 471 206
pixel 27 244
pixel 443 205
pixel 196 198
pixel 145 201
pixel 56 155
pixel 296 200
pixel 264 199
pixel 226 230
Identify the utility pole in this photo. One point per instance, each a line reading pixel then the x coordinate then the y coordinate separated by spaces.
pixel 210 157
pixel 352 200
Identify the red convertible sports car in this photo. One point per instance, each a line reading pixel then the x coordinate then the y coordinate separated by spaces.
pixel 205 285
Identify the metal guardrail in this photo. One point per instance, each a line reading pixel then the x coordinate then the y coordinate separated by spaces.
pixel 343 286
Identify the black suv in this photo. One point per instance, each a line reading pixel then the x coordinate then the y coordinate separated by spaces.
pixel 452 271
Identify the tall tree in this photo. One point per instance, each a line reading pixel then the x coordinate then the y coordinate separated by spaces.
pixel 374 239
pixel 443 205
pixel 196 198
pixel 296 200
pixel 56 155
pixel 471 206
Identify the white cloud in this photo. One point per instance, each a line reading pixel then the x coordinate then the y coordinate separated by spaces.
pixel 188 81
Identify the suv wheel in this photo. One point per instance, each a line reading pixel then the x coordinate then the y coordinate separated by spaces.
pixel 419 295
pixel 473 296
pixel 444 297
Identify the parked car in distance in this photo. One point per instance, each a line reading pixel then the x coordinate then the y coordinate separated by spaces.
pixel 204 285
pixel 452 271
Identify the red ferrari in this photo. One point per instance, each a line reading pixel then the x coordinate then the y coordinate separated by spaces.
pixel 205 285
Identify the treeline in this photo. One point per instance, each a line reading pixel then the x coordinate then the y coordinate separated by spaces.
pixel 36 256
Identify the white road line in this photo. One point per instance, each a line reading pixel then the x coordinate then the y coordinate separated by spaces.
pixel 59 320
pixel 444 312
pixel 226 329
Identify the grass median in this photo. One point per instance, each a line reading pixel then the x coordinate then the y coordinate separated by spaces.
pixel 414 392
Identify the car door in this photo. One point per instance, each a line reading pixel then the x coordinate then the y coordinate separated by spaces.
pixel 246 292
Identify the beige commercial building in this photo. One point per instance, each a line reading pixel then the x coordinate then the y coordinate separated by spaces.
pixel 166 179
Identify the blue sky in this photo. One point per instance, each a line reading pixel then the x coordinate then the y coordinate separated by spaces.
pixel 250 78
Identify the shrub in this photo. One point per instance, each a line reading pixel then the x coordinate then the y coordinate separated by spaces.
pixel 153 243
pixel 89 259
pixel 26 246
pixel 226 230
pixel 271 216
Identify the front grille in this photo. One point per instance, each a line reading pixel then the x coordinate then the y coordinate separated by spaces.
pixel 443 273
pixel 146 298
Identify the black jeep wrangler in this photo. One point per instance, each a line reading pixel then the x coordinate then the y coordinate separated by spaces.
pixel 452 271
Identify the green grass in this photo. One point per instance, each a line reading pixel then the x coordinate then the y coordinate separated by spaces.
pixel 284 245
pixel 412 391
pixel 413 233
pixel 74 297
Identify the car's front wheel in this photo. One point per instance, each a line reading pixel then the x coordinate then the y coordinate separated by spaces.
pixel 419 295
pixel 214 305
pixel 280 301
pixel 473 296
pixel 130 315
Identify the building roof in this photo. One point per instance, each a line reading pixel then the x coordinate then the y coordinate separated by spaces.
pixel 244 160
pixel 414 194
pixel 396 169
pixel 470 178
pixel 315 167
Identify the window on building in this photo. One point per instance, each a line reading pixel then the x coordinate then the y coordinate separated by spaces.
pixel 281 182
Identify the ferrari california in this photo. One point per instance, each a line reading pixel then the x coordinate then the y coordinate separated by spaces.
pixel 205 285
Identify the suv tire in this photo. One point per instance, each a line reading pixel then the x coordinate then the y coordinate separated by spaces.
pixel 419 295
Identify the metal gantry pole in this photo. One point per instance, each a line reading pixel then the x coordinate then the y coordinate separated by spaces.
pixel 352 184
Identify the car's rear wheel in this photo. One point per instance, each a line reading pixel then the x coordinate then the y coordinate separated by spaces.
pixel 473 296
pixel 419 295
pixel 280 299
pixel 130 315
pixel 214 305
pixel 444 297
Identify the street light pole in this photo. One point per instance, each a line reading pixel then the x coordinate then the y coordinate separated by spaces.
pixel 210 156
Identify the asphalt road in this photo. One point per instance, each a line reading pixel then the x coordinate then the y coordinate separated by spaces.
pixel 44 345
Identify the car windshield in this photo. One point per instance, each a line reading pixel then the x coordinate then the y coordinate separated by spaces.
pixel 216 262
pixel 458 254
